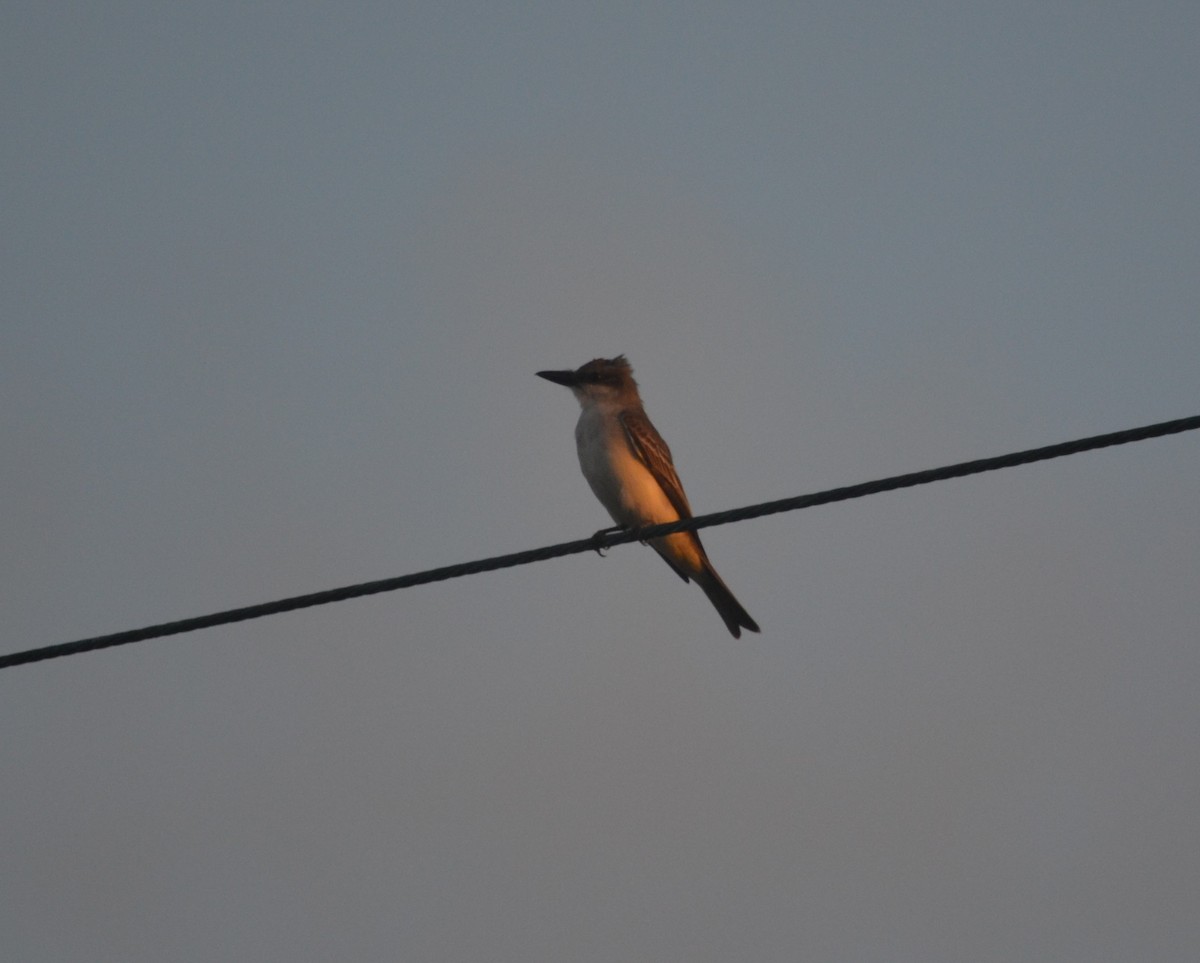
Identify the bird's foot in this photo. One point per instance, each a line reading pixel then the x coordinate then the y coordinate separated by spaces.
pixel 600 539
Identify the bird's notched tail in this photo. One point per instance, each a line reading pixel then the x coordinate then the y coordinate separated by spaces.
pixel 729 608
pixel 629 468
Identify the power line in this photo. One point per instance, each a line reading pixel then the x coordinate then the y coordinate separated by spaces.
pixel 604 541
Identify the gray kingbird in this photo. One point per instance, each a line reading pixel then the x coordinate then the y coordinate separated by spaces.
pixel 629 467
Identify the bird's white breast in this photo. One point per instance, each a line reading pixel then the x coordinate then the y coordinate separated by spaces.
pixel 622 483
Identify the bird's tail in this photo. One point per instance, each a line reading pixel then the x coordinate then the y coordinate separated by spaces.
pixel 730 609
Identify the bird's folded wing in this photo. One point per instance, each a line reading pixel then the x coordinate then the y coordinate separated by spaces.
pixel 649 448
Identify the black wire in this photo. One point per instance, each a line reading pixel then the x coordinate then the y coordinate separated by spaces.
pixel 616 538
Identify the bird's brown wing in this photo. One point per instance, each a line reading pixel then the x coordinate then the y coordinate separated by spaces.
pixel 650 449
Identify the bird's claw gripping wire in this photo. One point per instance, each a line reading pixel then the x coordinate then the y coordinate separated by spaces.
pixel 600 539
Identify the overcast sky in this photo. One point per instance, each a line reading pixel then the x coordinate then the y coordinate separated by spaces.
pixel 275 282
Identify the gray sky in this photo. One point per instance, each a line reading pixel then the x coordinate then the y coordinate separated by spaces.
pixel 276 281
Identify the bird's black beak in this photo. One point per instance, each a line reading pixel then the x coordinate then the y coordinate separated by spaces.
pixel 568 379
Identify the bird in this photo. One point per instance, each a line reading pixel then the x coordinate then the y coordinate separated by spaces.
pixel 630 470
